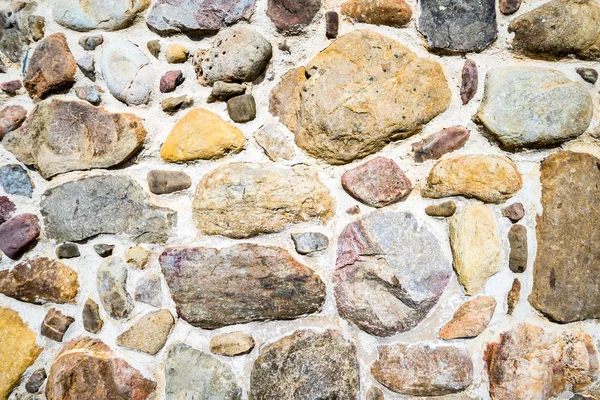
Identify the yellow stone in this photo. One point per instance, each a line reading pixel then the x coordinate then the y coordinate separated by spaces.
pixel 18 350
pixel 176 54
pixel 201 135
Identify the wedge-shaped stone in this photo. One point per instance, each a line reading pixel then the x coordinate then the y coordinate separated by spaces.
pixel 471 318
pixel 149 334
pixel 86 15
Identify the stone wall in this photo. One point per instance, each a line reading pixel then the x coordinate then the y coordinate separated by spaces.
pixel 294 254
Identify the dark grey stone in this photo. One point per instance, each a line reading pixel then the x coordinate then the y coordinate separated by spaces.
pixel 36 380
pixel 91 42
pixel 67 250
pixel 104 250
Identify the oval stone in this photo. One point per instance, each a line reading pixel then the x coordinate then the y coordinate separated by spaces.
pixel 86 15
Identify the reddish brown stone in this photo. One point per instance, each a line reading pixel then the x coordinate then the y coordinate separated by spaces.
pixel 7 207
pixel 354 210
pixel 17 234
pixel 290 16
pixel 170 81
pixel 438 144
pixel 508 7
pixel 332 22
pixel 11 118
pixel 514 294
pixel 471 318
pixel 55 325
pixel 514 212
pixel 11 87
pixel 470 80
pixel 377 183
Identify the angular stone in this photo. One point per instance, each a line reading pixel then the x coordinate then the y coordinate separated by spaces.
pixel 91 94
pixel 508 7
pixel 309 242
pixel 87 65
pixel 238 284
pixel 390 271
pixel 40 280
pixel 11 118
pixel 513 296
pixel 241 200
pixel 476 246
pixel 558 108
pixel 489 178
pixel 87 367
pixel 203 135
pixel 354 210
pixel 170 81
pixel 232 344
pixel 517 238
pixel 165 182
pixel 531 363
pixel 223 91
pixel 242 109
pixel 332 22
pixel 445 209
pixel 344 105
pixel 274 142
pixel 209 379
pixel 111 280
pixel 55 325
pixel 377 183
pixel 375 393
pixel 137 257
pixel 110 204
pixel 174 104
pixel 423 370
pixel 67 250
pixel 559 28
pixel 11 87
pixel 395 13
pixel 197 17
pixel 589 75
pixel 176 54
pixel 18 234
pixel 471 318
pixel 292 16
pixel 470 81
pixel 62 136
pixel 36 380
pixel 515 212
pixel 37 27
pixel 306 365
pixel 92 322
pixel 149 334
pixel 148 291
pixel 14 36
pixel 438 144
pixel 14 179
pixel 91 42
pixel 7 208
pixel 51 68
pixel 18 351
pixel 104 250
pixel 154 47
pixel 88 15
pixel 128 73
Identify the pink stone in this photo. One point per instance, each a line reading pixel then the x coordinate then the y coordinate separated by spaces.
pixel 470 80
pixel 17 234
pixel 11 118
pixel 438 144
pixel 6 209
pixel 11 87
pixel 170 81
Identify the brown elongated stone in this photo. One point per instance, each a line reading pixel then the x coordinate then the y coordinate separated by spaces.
pixel 383 12
pixel 55 325
pixel 470 81
pixel 92 322
pixel 513 296
pixel 36 380
pixel 438 144
pixel 332 21
pixel 18 233
pixel 471 318
pixel 232 344
pixel 517 238
pixel 508 7
pixel 445 209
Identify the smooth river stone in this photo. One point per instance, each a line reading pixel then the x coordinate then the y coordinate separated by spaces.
pixel 18 234
pixel 240 200
pixel 343 105
pixel 239 284
pixel 532 107
pixel 471 318
pixel 111 281
pixel 86 15
pixel 390 272
pixel 232 344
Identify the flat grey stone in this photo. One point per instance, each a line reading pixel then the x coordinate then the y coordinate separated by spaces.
pixel 309 242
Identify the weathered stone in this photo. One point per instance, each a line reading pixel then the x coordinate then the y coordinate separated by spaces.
pixel 62 136
pixel 91 42
pixel 223 91
pixel 148 291
pixel 51 67
pixel 470 81
pixel 513 296
pixel 137 257
pixel 88 15
pixel 292 16
pixel 232 344
pixel 170 81
pixel 197 17
pixel 36 380
pixel 111 280
pixel 390 271
pixel 274 142
pixel 423 370
pixel 559 28
pixel 241 199
pixel 589 75
pixel 67 250
pixel 7 208
pixel 309 242
pixel 176 54
pixel 306 365
pixel 149 334
pixel 332 22
pixel 14 36
pixel 558 108
pixel 18 350
pixel 476 246
pixel 515 212
pixel 489 178
pixel 87 65
pixel 445 209
pixel 517 238
pixel 154 47
pixel 174 104
pixel 55 325
pixel 208 379
pixel 14 179
pixel 37 27
pixel 11 87
pixel 508 7
pixel 11 118
pixel 18 234
pixel 344 105
pixel 377 183
pixel 104 250
pixel 87 368
pixel 128 73
pixel 238 284
pixel 237 54
pixel 92 322
pixel 386 12
pixel 531 363
pixel 92 94
pixel 242 109
pixel 111 204
pixel 375 393
pixel 164 182
pixel 471 318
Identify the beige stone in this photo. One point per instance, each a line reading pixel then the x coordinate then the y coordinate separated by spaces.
pixel 381 12
pixel 137 256
pixel 232 343
pixel 149 334
pixel 471 318
pixel 176 54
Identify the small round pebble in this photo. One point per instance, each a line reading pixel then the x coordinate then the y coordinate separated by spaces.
pixel 176 54
pixel 67 250
pixel 445 209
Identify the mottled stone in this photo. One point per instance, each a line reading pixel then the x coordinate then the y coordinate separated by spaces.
pixel 86 15
pixel 148 290
pixel 87 65
pixel 87 368
pixel 445 209
pixel 531 363
pixel 91 42
pixel 165 182
pixel 137 257
pixel 354 210
pixel 470 81
pixel 309 242
pixel 11 87
pixel 395 13
pixel 14 34
pixel 111 280
pixel 476 246
pixel 7 208
pixel 332 22
pixel 343 105
pixel 170 81
pixel 11 118
pixel 375 393
pixel 242 200
pixel 242 109
pixel 517 238
pixel 51 68
pixel 390 272
pixel 14 179
pixel 306 365
pixel 508 7
pixel 67 250
pixel 423 370
pixel 515 212
pixel 208 379
pixel 92 322
pixel 513 296
pixel 18 234
pixel 558 108
pixel 174 104
pixel 92 94
pixel 62 136
pixel 154 47
pixel 291 17
pixel 55 325
pixel 36 380
pixel 176 54
pixel 37 27
pixel 589 75
pixel 149 333
pixel 489 178
pixel 274 142
pixel 111 204
pixel 223 91
pixel 238 284
pixel 232 344
pixel 104 250
pixel 471 318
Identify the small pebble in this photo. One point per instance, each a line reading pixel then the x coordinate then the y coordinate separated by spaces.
pixel 11 87
pixel 67 250
pixel 508 7
pixel 332 21
pixel 91 42
pixel 91 316
pixel 87 65
pixel 154 48
pixel 164 182
pixel 223 91
pixel 470 81
pixel 517 238
pixel 435 146
pixel 514 294
pixel 37 26
pixel 232 344
pixel 588 74
pixel 137 257
pixel 176 54
pixel 514 212
pixel 3 67
pixel 354 210
pixel 55 325
pixel 174 104
pixel 36 380
pixel 170 81
pixel 242 108
pixel 104 250
pixel 445 209
pixel 91 94
pixel 375 393
pixel 309 242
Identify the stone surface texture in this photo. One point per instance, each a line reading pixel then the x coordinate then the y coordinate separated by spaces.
pixel 471 318
pixel 149 334
pixel 87 15
pixel 384 12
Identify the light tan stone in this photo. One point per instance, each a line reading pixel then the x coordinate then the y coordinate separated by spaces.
pixel 137 256
pixel 149 334
pixel 471 318
pixel 232 343
pixel 176 54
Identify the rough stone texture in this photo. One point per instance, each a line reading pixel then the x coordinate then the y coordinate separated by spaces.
pixel 104 250
pixel 306 365
pixel 92 322
pixel 242 109
pixel 529 362
pixel 238 284
pixel 7 208
pixel 18 234
pixel 564 283
pixel 241 200
pixel 384 12
pixel 11 87
pixel 87 368
pixel 445 209
pixel 558 108
pixel 476 246
pixel 589 75
pixel 89 206
pixel 86 15
pixel 375 393
pixel 223 91
pixel 148 291
pixel 11 118
pixel 470 81
pixel 67 250
pixel 515 212
pixel 14 34
pixel 62 136
pixel 274 142
pixel 137 257
pixel 309 242
pixel 390 271
pixel 174 104
pixel 332 22
pixel 471 318
pixel 15 180
pixel 55 325
pixel 92 94
pixel 209 379
pixel 513 296
pixel 40 280
pixel 149 334
pixel 517 238
pixel 489 178
pixel 170 81
pixel 111 281
pixel 87 65
pixel 232 344
pixel 291 16
pixel 508 7
pixel 377 183
pixel 344 106
pixel 165 182
pixel 438 144
pixel 423 370
pixel 459 26
pixel 36 380
pixel 154 47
